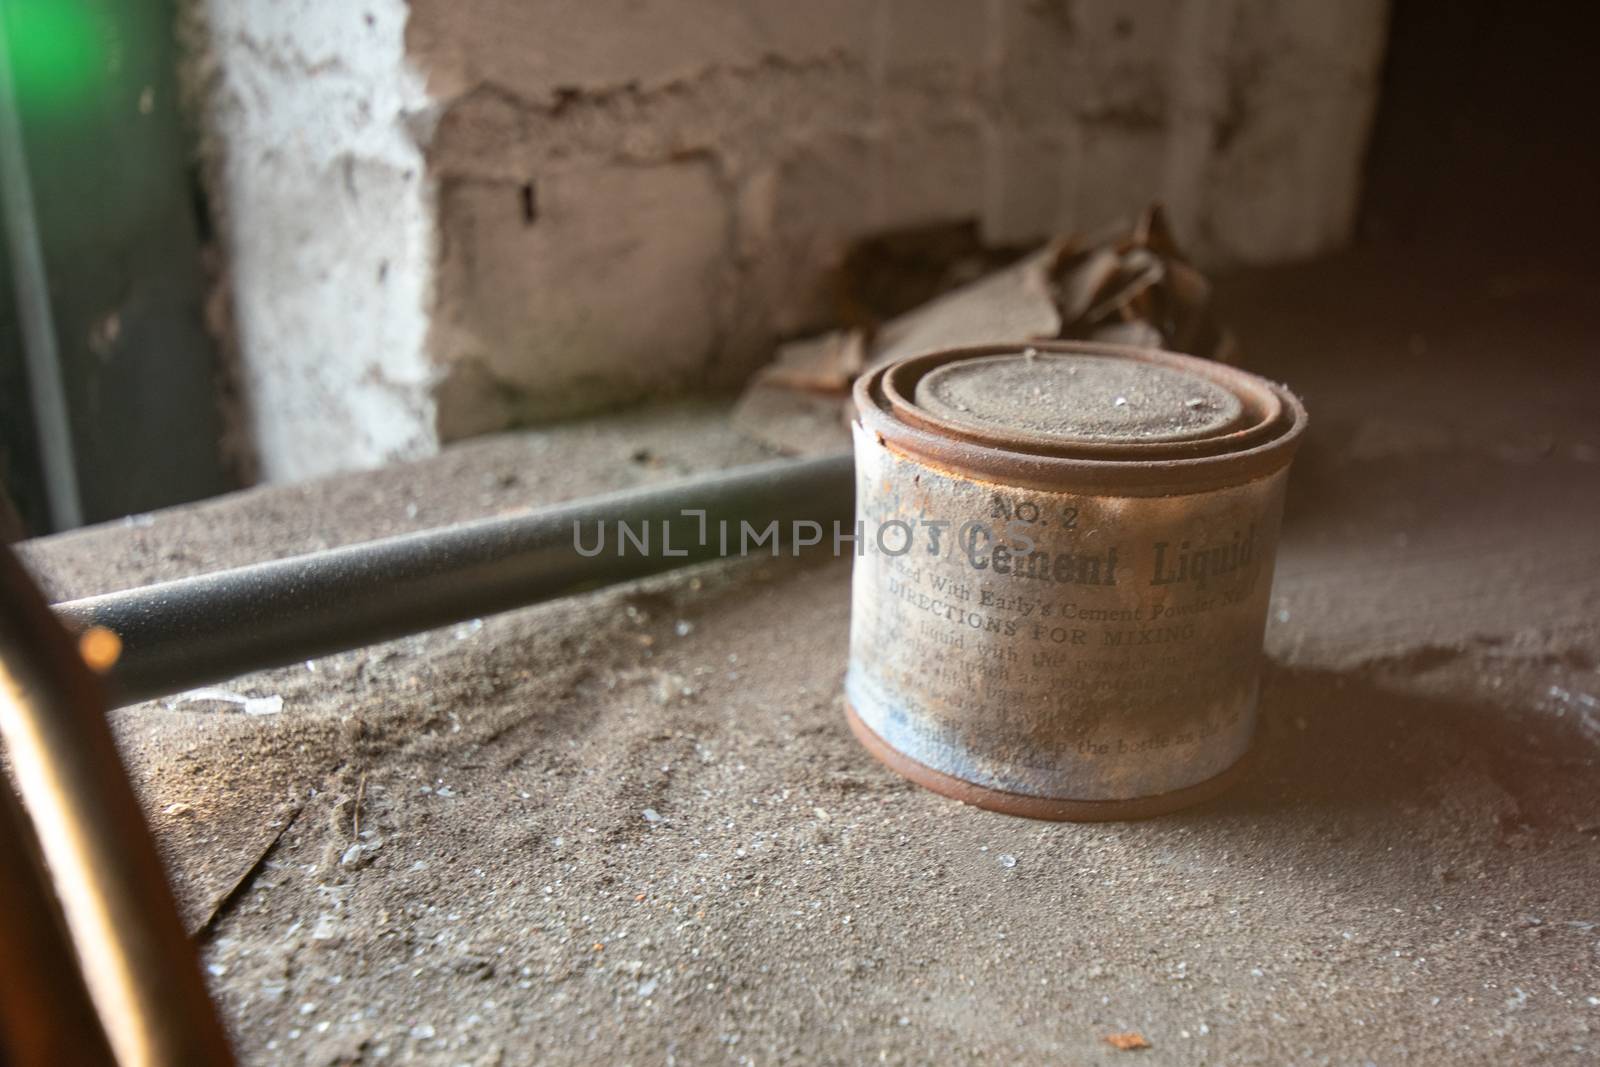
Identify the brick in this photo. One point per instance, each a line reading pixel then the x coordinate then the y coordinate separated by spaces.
pixel 610 291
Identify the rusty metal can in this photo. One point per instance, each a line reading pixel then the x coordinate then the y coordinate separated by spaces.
pixel 1063 569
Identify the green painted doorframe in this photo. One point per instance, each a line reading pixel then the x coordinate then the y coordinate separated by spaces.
pixel 118 239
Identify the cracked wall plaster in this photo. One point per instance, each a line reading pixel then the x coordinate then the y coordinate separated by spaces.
pixel 460 215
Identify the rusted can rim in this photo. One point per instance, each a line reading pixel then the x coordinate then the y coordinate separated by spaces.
pixel 1260 417
pixel 1262 441
pixel 956 418
pixel 1059 809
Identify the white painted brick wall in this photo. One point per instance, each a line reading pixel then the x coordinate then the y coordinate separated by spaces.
pixel 698 165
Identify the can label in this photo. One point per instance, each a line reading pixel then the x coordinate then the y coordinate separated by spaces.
pixel 1084 647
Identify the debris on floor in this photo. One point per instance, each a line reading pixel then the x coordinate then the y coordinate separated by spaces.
pixel 1417 842
pixel 267 705
pixel 1130 286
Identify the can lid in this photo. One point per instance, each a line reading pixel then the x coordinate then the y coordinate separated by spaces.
pixel 1065 414
pixel 1078 397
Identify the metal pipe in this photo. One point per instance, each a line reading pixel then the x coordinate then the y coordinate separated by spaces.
pixel 184 633
pixel 137 962
pixel 46 1016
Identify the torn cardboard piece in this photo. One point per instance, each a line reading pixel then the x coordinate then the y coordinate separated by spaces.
pixel 1132 287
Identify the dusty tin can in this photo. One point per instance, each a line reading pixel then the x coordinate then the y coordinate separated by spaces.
pixel 1062 577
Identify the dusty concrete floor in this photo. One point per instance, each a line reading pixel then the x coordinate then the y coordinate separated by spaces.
pixel 1408 874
